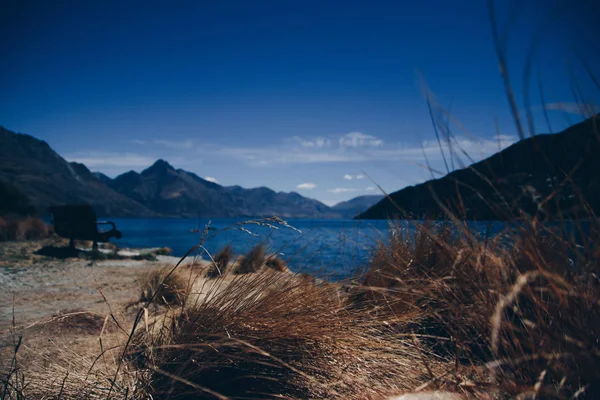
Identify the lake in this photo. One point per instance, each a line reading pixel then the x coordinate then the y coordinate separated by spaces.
pixel 325 248
pixel 332 248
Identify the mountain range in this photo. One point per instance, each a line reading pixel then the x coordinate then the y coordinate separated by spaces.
pixel 35 169
pixel 553 176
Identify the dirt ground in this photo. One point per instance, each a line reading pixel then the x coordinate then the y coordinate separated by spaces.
pixel 58 307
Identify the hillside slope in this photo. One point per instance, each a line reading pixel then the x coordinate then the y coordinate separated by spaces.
pixel 517 179
pixel 47 179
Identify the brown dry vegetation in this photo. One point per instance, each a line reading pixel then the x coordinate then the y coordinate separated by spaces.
pixel 251 262
pixel 164 287
pixel 438 308
pixel 220 262
pixel 29 228
pixel 275 263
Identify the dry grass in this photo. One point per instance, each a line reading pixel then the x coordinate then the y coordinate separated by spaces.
pixel 221 263
pixel 438 308
pixel 522 310
pixel 275 263
pixel 251 262
pixel 163 287
pixel 274 336
pixel 24 229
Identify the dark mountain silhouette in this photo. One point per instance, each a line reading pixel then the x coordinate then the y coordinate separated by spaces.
pixel 551 175
pixel 175 192
pixel 355 206
pixel 31 169
pixel 13 202
pixel 47 179
pixel 102 178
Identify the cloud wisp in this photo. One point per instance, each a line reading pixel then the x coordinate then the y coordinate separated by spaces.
pixel 573 108
pixel 210 179
pixel 99 159
pixel 306 186
pixel 359 139
pixel 361 148
pixel 349 177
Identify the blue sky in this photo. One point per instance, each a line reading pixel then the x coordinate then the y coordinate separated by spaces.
pixel 321 97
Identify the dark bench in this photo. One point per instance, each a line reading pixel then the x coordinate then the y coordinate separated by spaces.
pixel 78 222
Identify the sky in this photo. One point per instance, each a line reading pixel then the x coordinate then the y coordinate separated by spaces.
pixel 326 98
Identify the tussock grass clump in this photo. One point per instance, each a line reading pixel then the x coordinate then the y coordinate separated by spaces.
pixel 273 336
pixel 272 261
pixel 221 263
pixel 163 287
pixel 523 307
pixel 24 229
pixel 252 261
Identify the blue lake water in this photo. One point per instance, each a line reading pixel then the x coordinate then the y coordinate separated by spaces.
pixel 332 248
pixel 326 248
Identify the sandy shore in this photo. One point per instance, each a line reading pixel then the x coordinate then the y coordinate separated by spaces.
pixel 35 287
pixel 59 307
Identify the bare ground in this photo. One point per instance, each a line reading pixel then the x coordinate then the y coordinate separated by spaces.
pixel 58 308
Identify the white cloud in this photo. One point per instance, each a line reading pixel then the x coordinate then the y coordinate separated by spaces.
pixel 306 186
pixel 573 108
pixel 318 142
pixel 174 144
pixel 359 139
pixel 295 152
pixel 98 159
pixel 343 190
pixel 370 189
pixel 349 177
pixel 171 144
pixel 210 179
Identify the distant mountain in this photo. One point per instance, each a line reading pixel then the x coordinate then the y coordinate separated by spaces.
pixel 549 174
pixel 47 179
pixel 29 166
pixel 178 193
pixel 102 178
pixel 355 206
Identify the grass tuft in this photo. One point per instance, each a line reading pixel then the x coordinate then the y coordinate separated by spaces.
pixel 160 287
pixel 221 263
pixel 275 263
pixel 252 261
